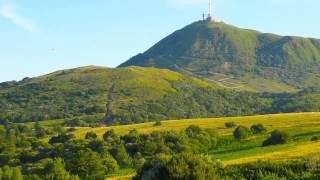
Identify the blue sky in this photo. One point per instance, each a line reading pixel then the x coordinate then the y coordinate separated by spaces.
pixel 41 36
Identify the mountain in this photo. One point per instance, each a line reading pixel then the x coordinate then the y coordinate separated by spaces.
pixel 125 95
pixel 237 58
pixel 137 94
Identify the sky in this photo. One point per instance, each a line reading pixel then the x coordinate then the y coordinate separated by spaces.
pixel 41 36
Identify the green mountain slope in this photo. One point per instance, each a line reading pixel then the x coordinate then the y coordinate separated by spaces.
pixel 134 95
pixel 126 95
pixel 237 57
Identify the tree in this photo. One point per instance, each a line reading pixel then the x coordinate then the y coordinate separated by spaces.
pixel 111 137
pixel 120 155
pixel 230 124
pixel 10 173
pixel 40 132
pixel 179 167
pixel 110 164
pixel 193 131
pixel 241 132
pixel 277 137
pixel 157 123
pixel 55 169
pixel 86 163
pixel 258 129
pixel 91 135
pixel 62 138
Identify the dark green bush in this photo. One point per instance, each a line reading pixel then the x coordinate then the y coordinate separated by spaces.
pixel 315 138
pixel 179 166
pixel 277 137
pixel 230 124
pixel 157 123
pixel 91 135
pixel 258 129
pixel 241 132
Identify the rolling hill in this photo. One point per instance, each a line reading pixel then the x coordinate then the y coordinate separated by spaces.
pixel 237 58
pixel 126 95
pixel 135 95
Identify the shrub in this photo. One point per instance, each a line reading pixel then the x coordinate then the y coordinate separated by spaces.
pixel 91 135
pixel 277 137
pixel 62 138
pixel 72 129
pixel 241 132
pixel 258 129
pixel 179 166
pixel 230 124
pixel 111 137
pixel 315 138
pixel 157 123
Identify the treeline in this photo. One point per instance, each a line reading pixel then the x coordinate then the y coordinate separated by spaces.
pixel 194 102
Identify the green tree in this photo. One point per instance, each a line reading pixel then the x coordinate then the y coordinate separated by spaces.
pixel 120 155
pixel 179 167
pixel 11 173
pixel 111 137
pixel 91 135
pixel 258 129
pixel 55 170
pixel 230 124
pixel 40 132
pixel 276 137
pixel 241 132
pixel 87 165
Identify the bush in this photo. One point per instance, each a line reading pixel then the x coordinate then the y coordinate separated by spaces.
pixel 277 137
pixel 71 129
pixel 157 123
pixel 179 166
pixel 62 138
pixel 315 138
pixel 91 135
pixel 241 132
pixel 230 124
pixel 258 129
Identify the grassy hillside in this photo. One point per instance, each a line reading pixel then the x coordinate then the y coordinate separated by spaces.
pixel 300 126
pixel 85 90
pixel 207 49
pixel 125 95
pixel 135 95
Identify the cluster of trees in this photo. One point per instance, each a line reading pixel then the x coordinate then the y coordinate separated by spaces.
pixel 243 132
pixel 276 136
pixel 24 154
pixel 32 102
pixel 191 166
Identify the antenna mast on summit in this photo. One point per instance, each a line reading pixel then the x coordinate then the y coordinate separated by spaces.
pixel 210 9
pixel 210 16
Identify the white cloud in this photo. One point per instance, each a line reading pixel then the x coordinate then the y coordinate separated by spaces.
pixel 9 11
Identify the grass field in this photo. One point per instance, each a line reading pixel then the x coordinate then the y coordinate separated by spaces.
pixel 300 126
pixel 307 121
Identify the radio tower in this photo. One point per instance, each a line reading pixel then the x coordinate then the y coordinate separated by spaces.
pixel 211 17
pixel 210 11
